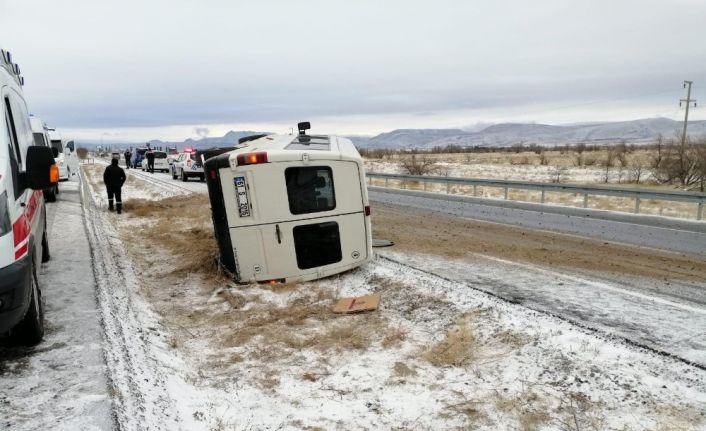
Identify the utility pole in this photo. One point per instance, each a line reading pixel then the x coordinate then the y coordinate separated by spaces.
pixel 687 101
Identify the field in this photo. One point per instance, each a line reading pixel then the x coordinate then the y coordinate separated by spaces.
pixel 438 354
pixel 633 169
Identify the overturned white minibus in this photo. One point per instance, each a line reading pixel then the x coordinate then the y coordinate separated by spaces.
pixel 290 208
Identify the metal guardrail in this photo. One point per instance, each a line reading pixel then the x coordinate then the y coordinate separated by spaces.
pixel 699 199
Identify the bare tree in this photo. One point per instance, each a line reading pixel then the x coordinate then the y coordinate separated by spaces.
pixel 608 163
pixel 82 153
pixel 418 165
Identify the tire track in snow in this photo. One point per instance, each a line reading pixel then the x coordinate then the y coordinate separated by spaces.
pixel 140 400
pixel 578 323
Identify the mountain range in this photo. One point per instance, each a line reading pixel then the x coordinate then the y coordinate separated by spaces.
pixel 507 134
pixel 497 135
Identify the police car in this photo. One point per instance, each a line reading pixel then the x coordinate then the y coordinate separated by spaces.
pixel 187 165
pixel 25 170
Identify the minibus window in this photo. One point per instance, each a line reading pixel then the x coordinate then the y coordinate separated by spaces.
pixel 317 244
pixel 310 189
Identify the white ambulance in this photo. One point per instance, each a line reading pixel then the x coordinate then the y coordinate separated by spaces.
pixel 40 131
pixel 25 170
pixel 290 208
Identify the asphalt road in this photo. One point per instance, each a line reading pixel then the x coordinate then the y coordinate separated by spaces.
pixel 648 231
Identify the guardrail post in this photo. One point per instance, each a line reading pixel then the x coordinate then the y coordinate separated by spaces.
pixel 448 188
pixel 505 193
pixel 637 205
pixel 425 185
pixel 542 199
pixel 700 211
pixel 386 179
pixel 585 200
pixel 475 190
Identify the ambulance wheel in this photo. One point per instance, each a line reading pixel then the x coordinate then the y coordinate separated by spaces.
pixel 56 189
pixel 45 247
pixel 30 330
pixel 183 176
pixel 50 195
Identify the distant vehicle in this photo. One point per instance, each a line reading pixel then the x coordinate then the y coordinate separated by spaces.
pixel 290 208
pixel 160 162
pixel 190 162
pixel 41 138
pixel 65 153
pixel 137 156
pixel 25 169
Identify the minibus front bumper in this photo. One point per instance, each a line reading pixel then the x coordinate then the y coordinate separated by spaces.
pixel 14 293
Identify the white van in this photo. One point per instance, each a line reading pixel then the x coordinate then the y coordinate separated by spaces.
pixel 66 159
pixel 290 208
pixel 41 137
pixel 25 170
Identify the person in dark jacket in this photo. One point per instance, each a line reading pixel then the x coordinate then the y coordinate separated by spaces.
pixel 114 178
pixel 128 159
pixel 150 161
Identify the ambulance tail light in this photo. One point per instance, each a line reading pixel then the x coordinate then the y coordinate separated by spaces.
pixel 251 158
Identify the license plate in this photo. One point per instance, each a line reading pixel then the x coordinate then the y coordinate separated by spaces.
pixel 242 196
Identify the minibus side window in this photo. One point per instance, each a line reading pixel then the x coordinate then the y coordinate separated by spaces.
pixel 310 189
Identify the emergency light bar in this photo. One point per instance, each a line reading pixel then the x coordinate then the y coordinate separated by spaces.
pixel 251 158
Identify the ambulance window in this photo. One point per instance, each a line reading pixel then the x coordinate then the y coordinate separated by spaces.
pixel 317 244
pixel 14 166
pixel 13 130
pixel 310 189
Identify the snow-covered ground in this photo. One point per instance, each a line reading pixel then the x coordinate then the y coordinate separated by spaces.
pixel 194 352
pixel 61 384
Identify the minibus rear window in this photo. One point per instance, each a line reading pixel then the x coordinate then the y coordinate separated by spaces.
pixel 317 244
pixel 310 189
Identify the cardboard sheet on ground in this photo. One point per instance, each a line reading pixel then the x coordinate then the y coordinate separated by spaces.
pixel 356 305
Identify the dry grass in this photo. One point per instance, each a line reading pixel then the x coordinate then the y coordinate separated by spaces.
pixel 530 410
pixel 180 226
pixel 459 347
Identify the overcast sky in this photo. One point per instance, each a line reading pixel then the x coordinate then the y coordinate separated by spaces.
pixel 136 70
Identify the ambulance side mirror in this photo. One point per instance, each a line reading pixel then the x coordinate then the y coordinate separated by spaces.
pixel 41 172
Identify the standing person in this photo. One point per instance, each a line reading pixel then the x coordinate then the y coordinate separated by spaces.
pixel 150 160
pixel 114 178
pixel 128 159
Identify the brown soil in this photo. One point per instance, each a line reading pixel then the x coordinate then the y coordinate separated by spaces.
pixel 424 231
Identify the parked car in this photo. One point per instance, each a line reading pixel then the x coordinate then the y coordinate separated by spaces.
pixel 160 162
pixel 25 169
pixel 290 208
pixel 41 138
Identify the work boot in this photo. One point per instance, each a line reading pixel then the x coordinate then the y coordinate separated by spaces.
pixel 110 205
pixel 120 208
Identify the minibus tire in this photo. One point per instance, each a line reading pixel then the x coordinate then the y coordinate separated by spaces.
pixel 30 330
